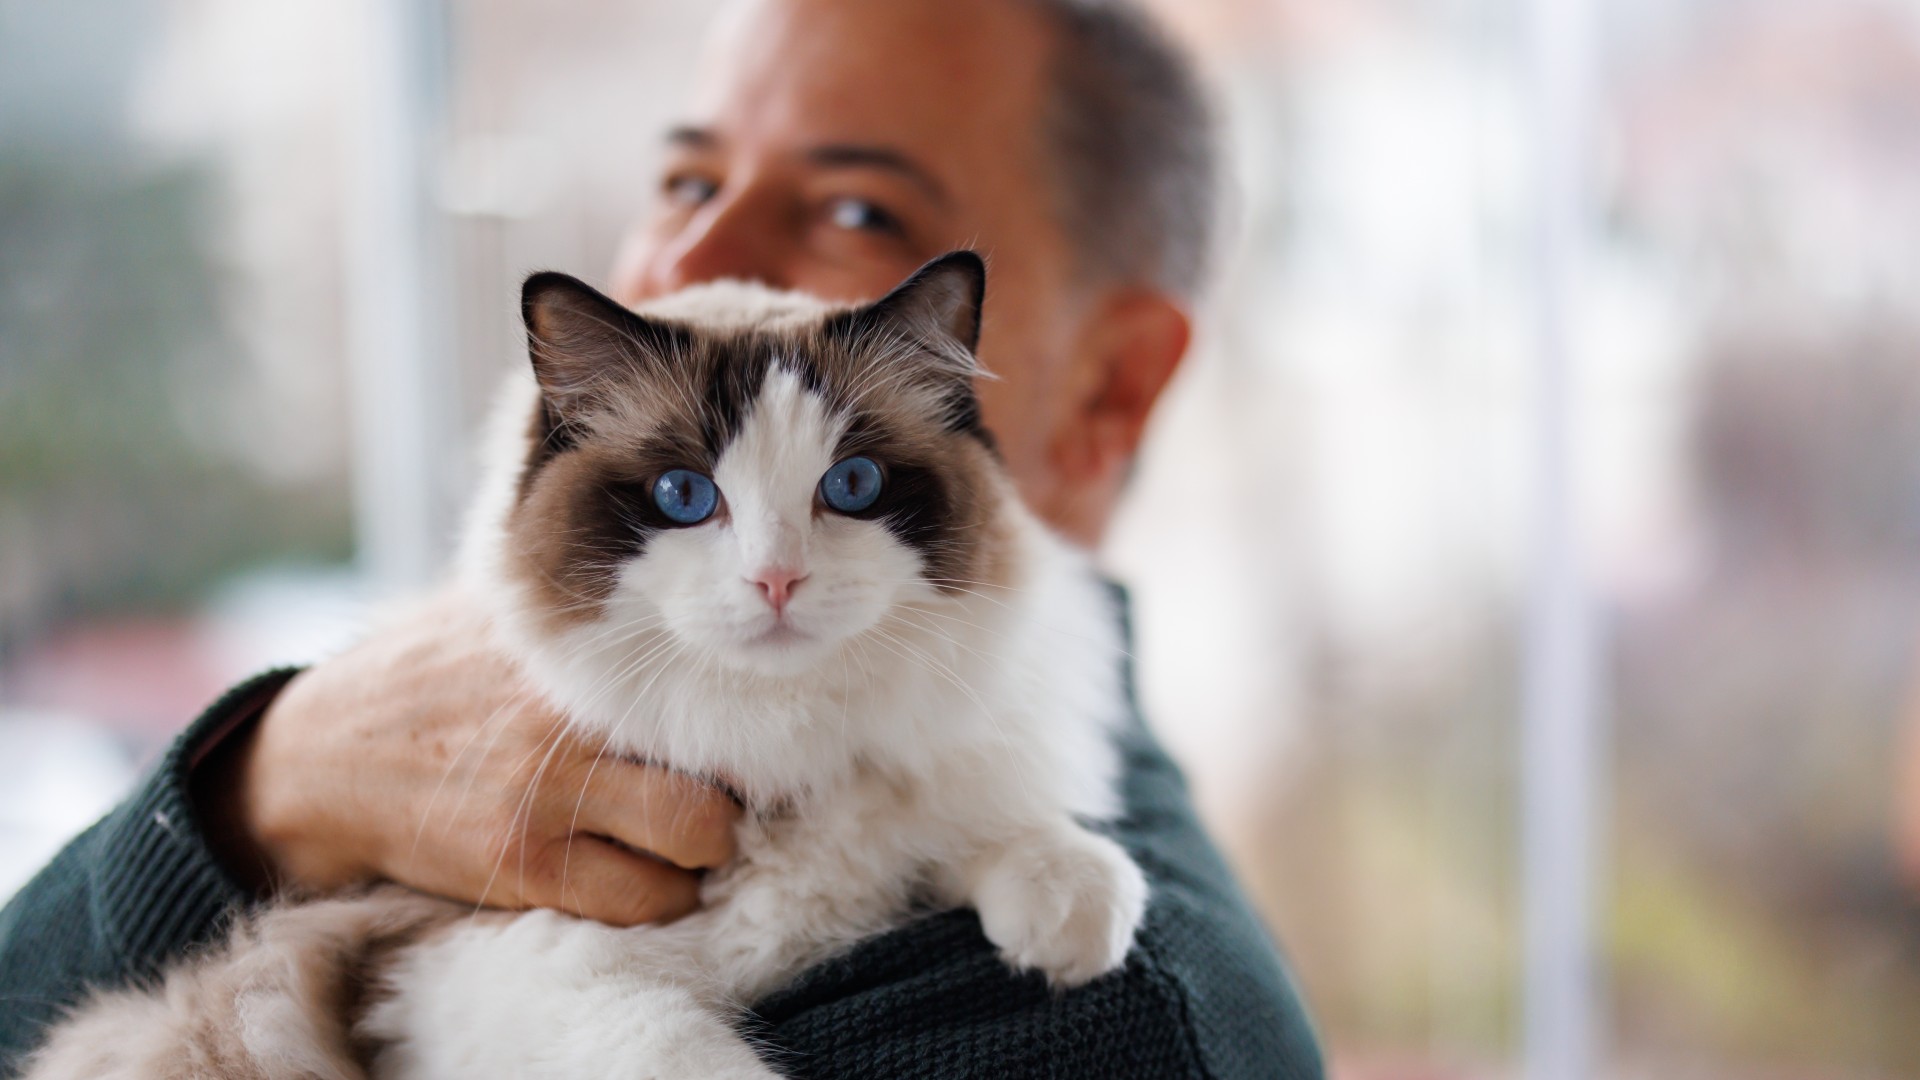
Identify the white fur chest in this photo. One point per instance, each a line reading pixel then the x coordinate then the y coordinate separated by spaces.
pixel 900 704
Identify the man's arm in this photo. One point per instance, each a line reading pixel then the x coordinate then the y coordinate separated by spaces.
pixel 1204 994
pixel 418 756
pixel 137 889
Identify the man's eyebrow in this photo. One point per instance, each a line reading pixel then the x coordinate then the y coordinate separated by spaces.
pixel 858 156
pixel 834 156
pixel 695 138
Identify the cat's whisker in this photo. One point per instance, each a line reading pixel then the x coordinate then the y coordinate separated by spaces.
pixel 493 743
pixel 950 676
pixel 555 736
pixel 970 581
pixel 623 631
pixel 614 681
pixel 1028 616
pixel 507 709
pixel 573 823
pixel 948 617
pixel 618 629
pixel 640 695
pixel 949 639
pixel 529 800
pixel 883 637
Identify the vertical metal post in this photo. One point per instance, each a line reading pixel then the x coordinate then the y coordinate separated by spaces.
pixel 1559 766
pixel 399 300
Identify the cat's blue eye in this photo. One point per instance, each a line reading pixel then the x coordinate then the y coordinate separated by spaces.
pixel 852 485
pixel 685 496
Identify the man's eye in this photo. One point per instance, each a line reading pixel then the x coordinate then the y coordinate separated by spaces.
pixel 687 190
pixel 861 215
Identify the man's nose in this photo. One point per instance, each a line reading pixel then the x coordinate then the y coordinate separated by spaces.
pixel 730 237
pixel 777 584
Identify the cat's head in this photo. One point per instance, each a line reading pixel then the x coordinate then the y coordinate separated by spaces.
pixel 759 475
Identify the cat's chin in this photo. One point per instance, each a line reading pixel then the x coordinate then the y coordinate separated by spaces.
pixel 781 651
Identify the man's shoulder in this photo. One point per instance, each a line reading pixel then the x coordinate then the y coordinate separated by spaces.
pixel 1204 993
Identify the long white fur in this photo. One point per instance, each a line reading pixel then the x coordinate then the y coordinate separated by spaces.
pixel 912 740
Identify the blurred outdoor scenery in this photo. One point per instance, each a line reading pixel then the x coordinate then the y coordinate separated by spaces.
pixel 196 210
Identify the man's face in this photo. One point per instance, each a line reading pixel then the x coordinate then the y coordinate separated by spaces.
pixel 838 144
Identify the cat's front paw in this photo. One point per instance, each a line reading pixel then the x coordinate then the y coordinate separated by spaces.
pixel 1066 906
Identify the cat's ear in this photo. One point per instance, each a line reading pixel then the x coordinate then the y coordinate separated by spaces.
pixel 583 343
pixel 939 303
pixel 936 313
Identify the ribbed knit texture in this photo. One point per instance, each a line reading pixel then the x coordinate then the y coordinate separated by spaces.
pixel 137 889
pixel 1204 994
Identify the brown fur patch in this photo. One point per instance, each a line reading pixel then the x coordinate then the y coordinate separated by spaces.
pixel 278 1000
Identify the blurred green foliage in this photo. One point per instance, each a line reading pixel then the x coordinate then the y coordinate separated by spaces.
pixel 111 344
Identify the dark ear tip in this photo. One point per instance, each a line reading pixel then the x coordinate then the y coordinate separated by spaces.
pixel 542 281
pixel 966 256
pixel 543 285
pixel 965 260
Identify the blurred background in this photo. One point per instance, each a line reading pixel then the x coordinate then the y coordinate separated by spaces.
pixel 246 246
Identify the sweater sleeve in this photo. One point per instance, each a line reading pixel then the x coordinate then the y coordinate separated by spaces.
pixel 136 890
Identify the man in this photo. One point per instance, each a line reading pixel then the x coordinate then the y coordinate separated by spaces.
pixel 836 145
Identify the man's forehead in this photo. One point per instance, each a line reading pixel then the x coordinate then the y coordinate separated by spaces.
pixel 910 75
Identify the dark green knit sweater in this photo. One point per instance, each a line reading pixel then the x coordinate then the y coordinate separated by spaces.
pixel 1203 994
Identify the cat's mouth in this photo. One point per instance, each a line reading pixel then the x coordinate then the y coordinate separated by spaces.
pixel 779 635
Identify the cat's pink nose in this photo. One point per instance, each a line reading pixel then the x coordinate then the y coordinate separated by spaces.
pixel 777 584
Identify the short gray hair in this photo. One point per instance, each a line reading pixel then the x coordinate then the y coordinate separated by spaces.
pixel 1132 137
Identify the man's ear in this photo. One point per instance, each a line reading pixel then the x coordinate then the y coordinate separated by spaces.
pixel 1131 347
pixel 581 342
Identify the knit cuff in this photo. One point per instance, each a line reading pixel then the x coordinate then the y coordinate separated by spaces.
pixel 158 887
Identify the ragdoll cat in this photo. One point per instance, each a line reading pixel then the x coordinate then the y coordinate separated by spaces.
pixel 751 536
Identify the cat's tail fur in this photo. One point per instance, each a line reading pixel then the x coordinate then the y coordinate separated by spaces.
pixel 277 1000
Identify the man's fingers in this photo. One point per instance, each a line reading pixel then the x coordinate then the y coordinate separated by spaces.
pixel 597 880
pixel 676 817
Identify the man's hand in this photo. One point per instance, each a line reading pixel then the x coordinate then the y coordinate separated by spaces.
pixel 420 756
